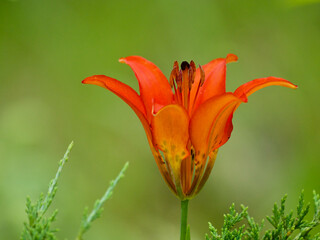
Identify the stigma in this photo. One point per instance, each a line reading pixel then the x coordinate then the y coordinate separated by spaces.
pixel 182 80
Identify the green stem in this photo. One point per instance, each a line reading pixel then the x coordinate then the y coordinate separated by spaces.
pixel 184 216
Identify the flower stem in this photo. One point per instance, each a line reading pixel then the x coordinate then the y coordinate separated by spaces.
pixel 184 216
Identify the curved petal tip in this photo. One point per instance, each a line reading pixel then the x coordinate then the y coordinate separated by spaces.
pixel 250 87
pixel 96 80
pixel 231 58
pixel 133 58
pixel 122 60
pixel 85 81
pixel 293 86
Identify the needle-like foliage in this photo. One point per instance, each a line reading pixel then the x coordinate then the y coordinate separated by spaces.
pixel 39 227
pixel 284 226
pixel 87 219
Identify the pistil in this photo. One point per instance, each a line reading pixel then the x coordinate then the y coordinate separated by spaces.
pixel 185 84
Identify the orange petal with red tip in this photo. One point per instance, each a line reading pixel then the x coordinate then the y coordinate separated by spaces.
pixel 215 80
pixel 154 86
pixel 250 87
pixel 126 93
pixel 211 122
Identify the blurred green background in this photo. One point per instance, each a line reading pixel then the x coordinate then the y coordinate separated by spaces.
pixel 48 47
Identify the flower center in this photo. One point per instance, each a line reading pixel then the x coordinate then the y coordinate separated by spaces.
pixel 182 83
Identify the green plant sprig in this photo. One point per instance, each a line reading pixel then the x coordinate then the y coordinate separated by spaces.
pixel 285 226
pixel 39 227
pixel 87 219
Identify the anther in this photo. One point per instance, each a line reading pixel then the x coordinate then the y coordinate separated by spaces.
pixel 202 75
pixel 192 73
pixel 179 80
pixel 172 77
pixel 176 66
pixel 174 73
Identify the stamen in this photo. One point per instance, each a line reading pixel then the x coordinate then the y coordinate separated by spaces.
pixel 192 71
pixel 174 74
pixel 176 65
pixel 172 77
pixel 179 80
pixel 202 76
pixel 201 82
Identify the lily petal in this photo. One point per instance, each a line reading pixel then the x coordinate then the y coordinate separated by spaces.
pixel 170 130
pixel 215 80
pixel 164 169
pixel 250 87
pixel 170 135
pixel 207 171
pixel 126 93
pixel 210 128
pixel 155 90
pixel 211 122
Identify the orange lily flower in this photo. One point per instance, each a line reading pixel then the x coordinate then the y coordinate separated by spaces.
pixel 186 119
